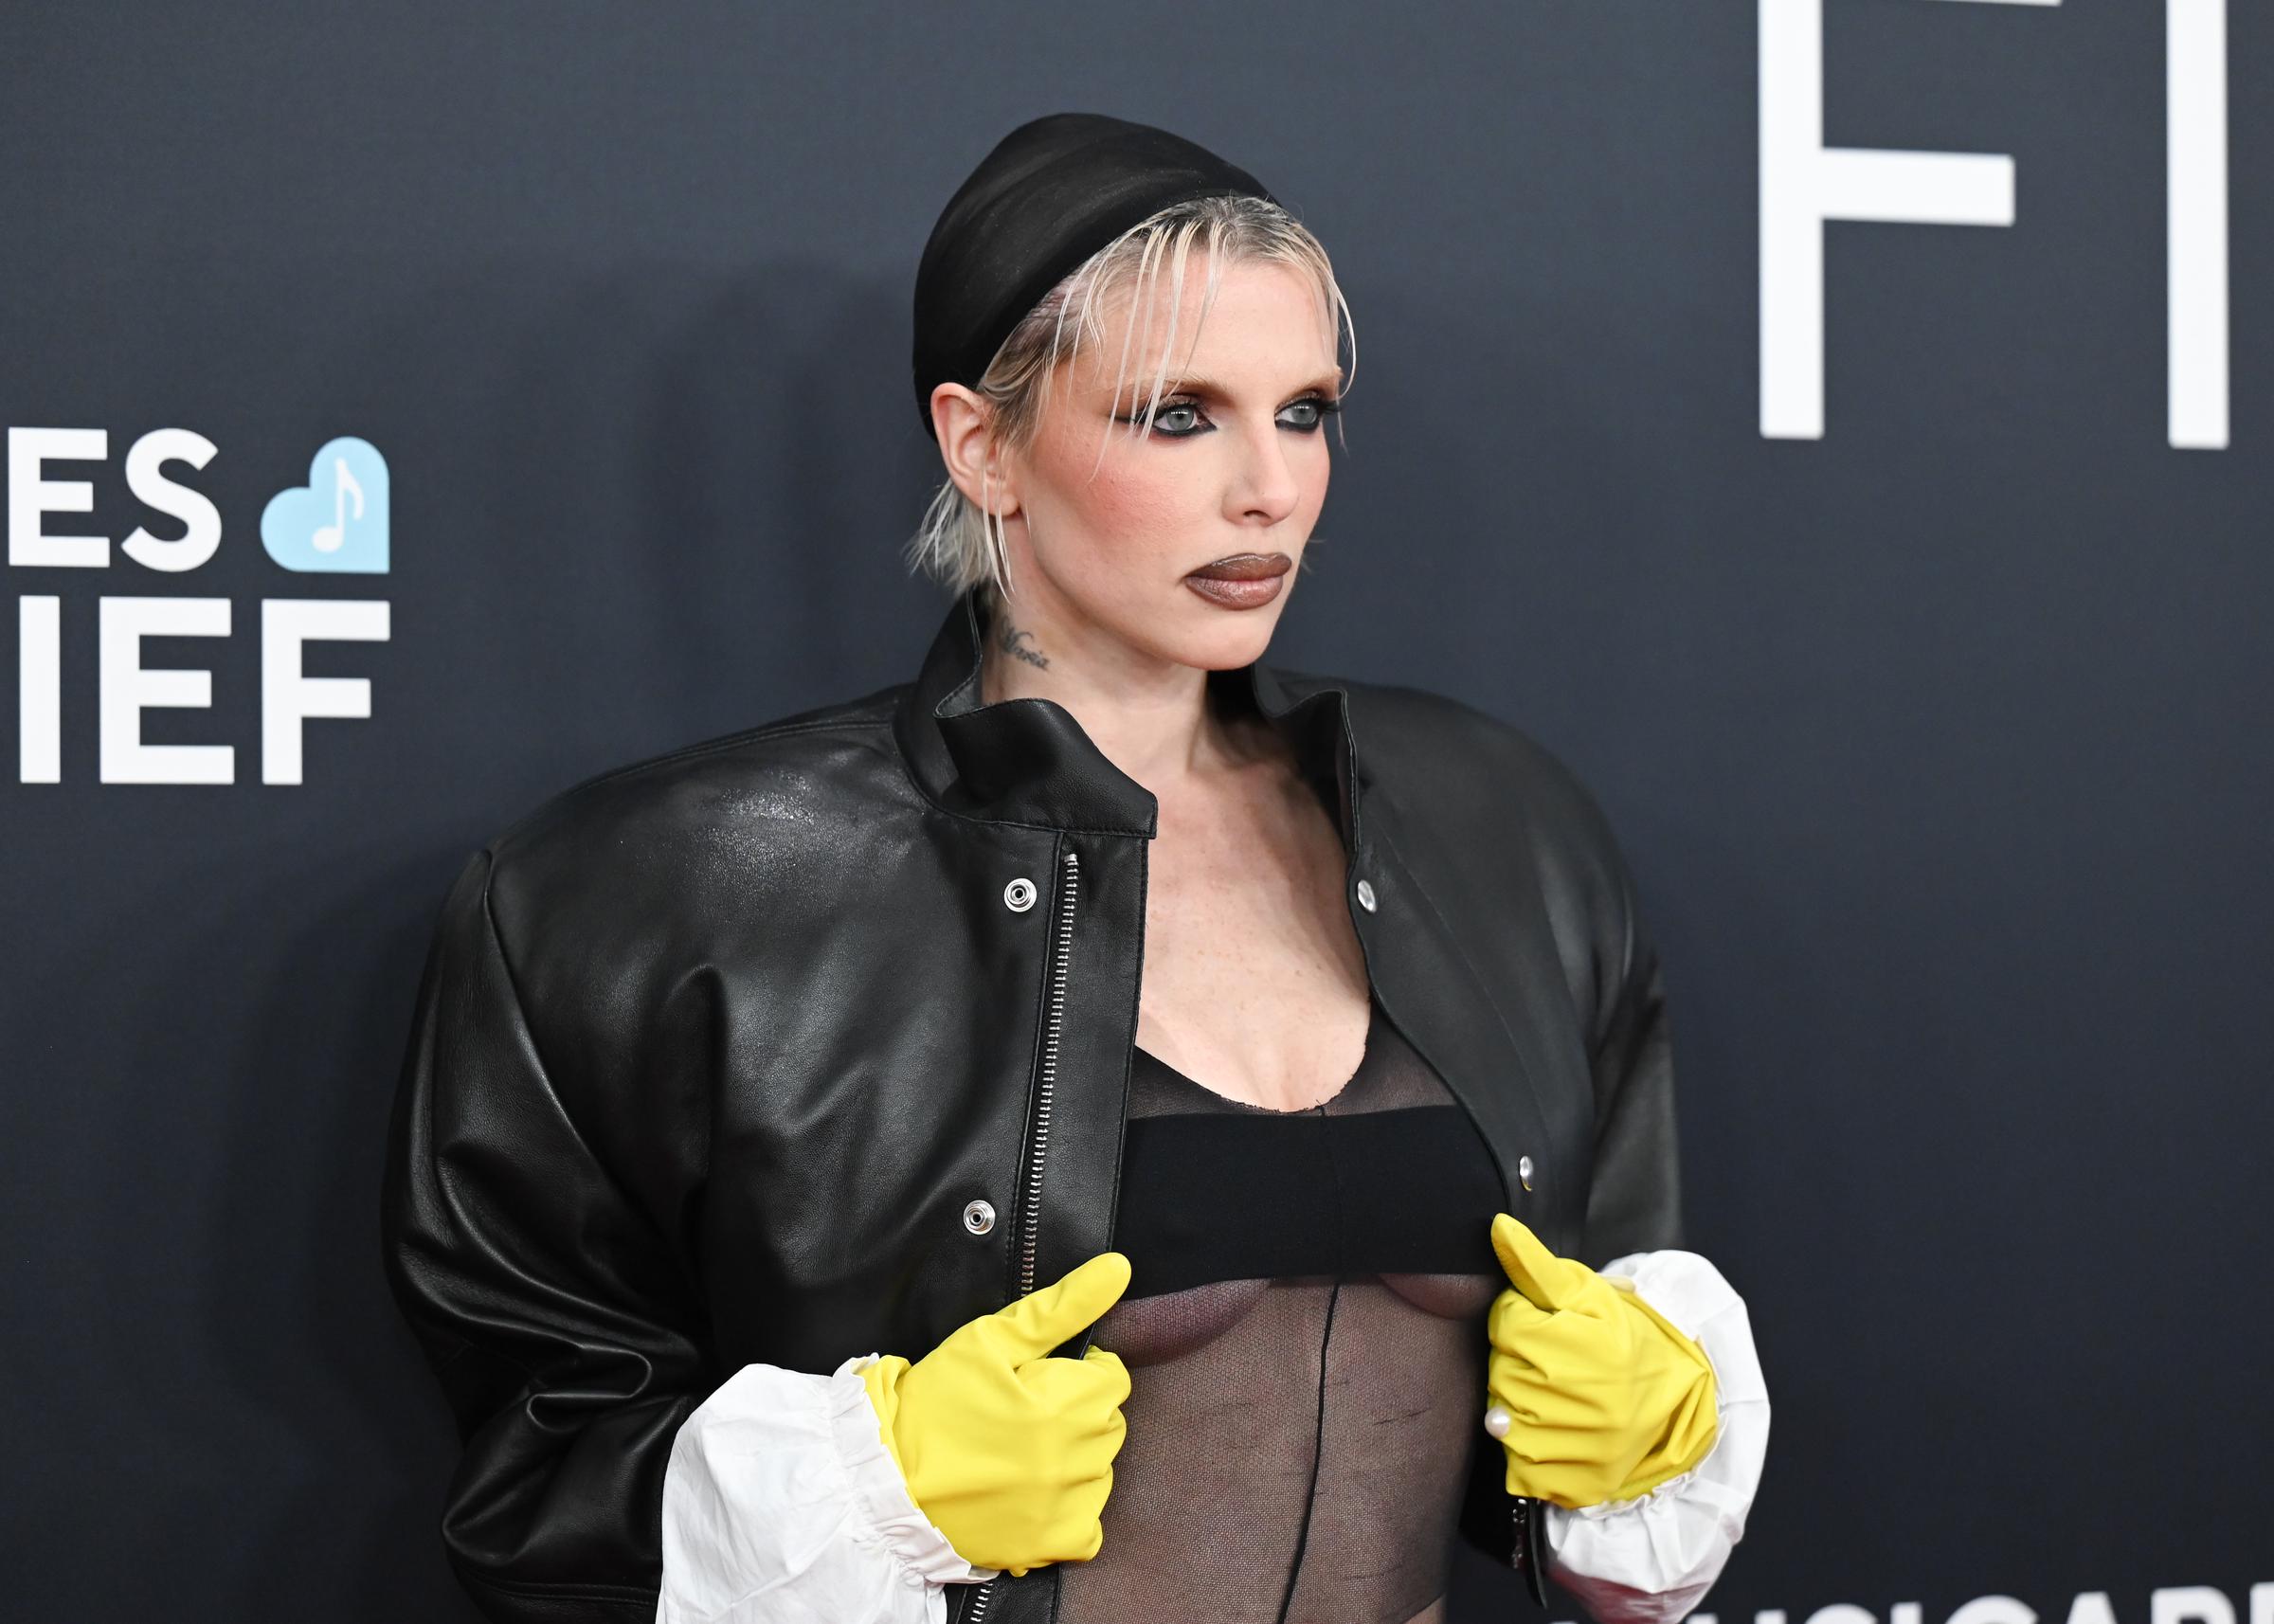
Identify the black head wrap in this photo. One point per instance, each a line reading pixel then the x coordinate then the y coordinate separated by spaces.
pixel 1051 194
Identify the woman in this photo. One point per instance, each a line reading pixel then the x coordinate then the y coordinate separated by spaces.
pixel 1270 1047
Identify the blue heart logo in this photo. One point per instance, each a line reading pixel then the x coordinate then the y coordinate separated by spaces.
pixel 338 521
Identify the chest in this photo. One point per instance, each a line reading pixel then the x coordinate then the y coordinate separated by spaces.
pixel 1253 974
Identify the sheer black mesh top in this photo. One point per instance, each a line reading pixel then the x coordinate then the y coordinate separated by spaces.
pixel 1304 1332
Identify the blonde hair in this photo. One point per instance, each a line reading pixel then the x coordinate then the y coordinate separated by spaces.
pixel 960 543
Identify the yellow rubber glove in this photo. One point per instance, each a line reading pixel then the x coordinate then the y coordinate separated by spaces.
pixel 1595 1395
pixel 1009 1451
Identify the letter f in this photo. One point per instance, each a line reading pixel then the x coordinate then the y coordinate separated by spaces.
pixel 1803 184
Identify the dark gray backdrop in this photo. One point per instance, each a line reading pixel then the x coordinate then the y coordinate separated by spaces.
pixel 1939 744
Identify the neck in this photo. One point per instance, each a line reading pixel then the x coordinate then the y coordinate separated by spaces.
pixel 1149 716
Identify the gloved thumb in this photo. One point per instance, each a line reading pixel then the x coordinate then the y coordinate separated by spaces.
pixel 1539 1273
pixel 1041 1320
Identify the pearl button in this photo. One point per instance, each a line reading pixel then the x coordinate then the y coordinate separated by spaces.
pixel 979 1217
pixel 1498 1421
pixel 1019 895
pixel 1524 1171
pixel 1365 895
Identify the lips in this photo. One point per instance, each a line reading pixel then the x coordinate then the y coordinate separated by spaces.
pixel 1244 580
pixel 1246 566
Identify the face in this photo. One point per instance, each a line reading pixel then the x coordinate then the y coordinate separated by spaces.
pixel 1230 470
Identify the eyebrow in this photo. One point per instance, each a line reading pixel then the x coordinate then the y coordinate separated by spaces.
pixel 1329 384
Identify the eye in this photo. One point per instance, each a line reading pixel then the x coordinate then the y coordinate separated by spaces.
pixel 1172 420
pixel 1179 418
pixel 1310 412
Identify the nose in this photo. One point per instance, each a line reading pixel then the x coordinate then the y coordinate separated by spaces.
pixel 1266 490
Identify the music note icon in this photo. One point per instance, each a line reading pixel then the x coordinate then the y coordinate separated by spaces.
pixel 330 537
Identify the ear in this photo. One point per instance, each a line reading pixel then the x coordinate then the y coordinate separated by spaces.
pixel 978 465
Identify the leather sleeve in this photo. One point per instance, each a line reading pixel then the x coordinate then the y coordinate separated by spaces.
pixel 1635 1197
pixel 1652 1561
pixel 564 1331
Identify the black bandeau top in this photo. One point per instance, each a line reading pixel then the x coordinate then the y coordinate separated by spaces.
pixel 1304 1329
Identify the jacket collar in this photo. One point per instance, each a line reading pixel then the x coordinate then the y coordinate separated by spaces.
pixel 1028 761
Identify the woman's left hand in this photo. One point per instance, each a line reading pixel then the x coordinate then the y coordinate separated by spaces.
pixel 1595 1395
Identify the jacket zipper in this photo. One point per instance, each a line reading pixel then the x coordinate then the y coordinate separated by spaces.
pixel 1054 1018
pixel 1030 1197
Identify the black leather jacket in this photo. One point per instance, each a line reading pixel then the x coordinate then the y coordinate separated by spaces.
pixel 814 1039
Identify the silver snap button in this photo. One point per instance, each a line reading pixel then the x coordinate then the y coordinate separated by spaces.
pixel 1365 895
pixel 979 1217
pixel 1019 895
pixel 1524 1171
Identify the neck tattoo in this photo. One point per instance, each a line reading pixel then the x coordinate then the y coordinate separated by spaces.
pixel 1009 638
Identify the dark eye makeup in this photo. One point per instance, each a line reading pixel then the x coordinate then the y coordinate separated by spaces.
pixel 1182 419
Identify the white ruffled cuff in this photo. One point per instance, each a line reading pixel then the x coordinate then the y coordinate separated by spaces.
pixel 1653 1559
pixel 880 1489
pixel 783 1506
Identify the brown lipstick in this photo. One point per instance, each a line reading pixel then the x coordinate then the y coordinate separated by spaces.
pixel 1243 580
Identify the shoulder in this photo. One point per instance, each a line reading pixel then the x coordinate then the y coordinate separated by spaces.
pixel 1476 774
pixel 715 812
pixel 1482 807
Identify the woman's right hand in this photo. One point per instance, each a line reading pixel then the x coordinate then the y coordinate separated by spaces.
pixel 1009 1451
